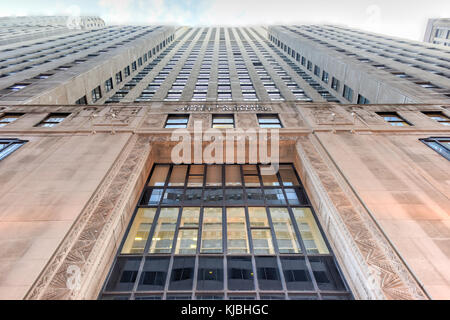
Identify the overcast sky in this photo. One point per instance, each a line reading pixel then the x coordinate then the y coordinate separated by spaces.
pixel 402 18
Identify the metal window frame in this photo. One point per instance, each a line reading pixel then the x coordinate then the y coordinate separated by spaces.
pixel 225 293
pixel 11 145
pixel 429 141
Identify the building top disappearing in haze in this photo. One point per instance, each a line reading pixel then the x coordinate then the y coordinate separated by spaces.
pixel 438 31
pixel 19 29
pixel 309 63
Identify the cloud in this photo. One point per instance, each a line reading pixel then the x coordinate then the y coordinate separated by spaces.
pixel 117 11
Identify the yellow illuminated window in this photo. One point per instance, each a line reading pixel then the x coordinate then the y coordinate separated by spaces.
pixel 237 240
pixel 139 231
pixel 212 231
pixel 165 230
pixel 309 231
pixel 284 231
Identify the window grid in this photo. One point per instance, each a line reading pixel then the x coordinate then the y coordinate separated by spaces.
pixel 191 262
pixel 394 119
pixel 177 121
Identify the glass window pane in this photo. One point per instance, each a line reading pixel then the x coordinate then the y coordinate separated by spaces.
pixel 198 169
pixel 233 176
pixel 210 273
pixel 195 181
pixel 187 241
pixel 270 180
pixel 309 231
pixel 124 274
pixel 164 232
pixel 234 196
pixel 159 176
pixel 268 275
pixel 189 217
pixel 262 241
pixel 249 169
pixel 173 196
pixel 212 231
pixel 274 197
pixel 214 175
pixel 237 240
pixel 139 231
pixel 193 197
pixel 284 231
pixel 258 217
pixel 213 197
pixel 326 273
pixel 154 274
pixel 178 176
pixel 296 274
pixel 240 273
pixel 296 197
pixel 182 276
pixel 152 197
pixel 288 175
pixel 252 181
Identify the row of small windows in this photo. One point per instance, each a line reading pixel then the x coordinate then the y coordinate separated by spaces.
pixel 50 121
pixel 385 68
pixel 223 121
pixel 96 93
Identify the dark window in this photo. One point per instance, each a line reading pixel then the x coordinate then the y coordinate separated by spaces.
pixel 109 85
pixel 222 121
pixel 317 71
pixel 268 275
pixel 8 118
pixel 394 119
pixel 438 116
pixel 126 71
pixel 8 146
pixel 269 121
pixel 296 274
pixel 325 76
pixel 53 119
pixel 96 94
pixel 154 274
pixel 134 66
pixel 362 100
pixel 348 93
pixel 177 121
pixel 439 144
pixel 118 77
pixel 210 273
pixel 335 83
pixel 182 273
pixel 240 273
pixel 82 100
pixel 310 65
pixel 124 274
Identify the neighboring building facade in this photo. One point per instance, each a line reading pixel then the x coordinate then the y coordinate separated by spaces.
pixel 438 32
pixel 19 29
pixel 95 203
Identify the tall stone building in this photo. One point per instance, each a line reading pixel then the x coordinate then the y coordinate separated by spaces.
pixel 141 172
pixel 438 32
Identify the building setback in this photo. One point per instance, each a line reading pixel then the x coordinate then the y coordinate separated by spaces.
pixel 438 32
pixel 95 205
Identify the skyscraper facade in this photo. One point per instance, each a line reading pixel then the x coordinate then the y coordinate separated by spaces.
pixel 287 162
pixel 438 32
